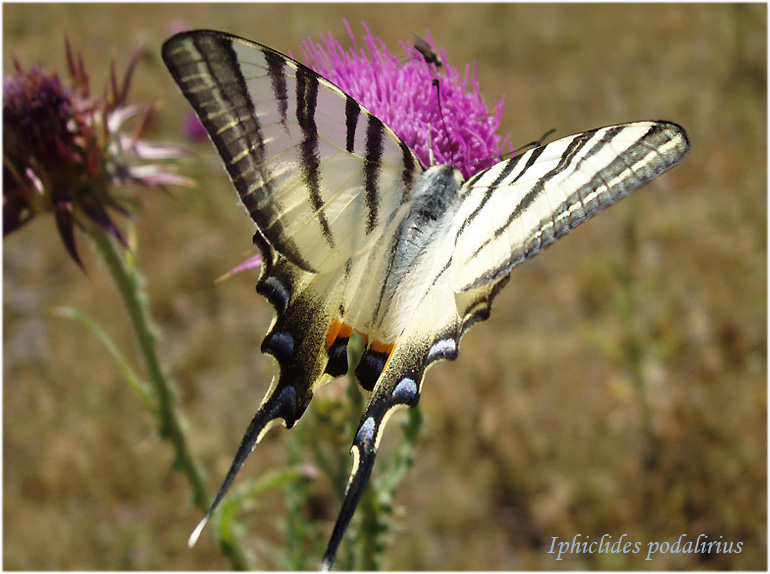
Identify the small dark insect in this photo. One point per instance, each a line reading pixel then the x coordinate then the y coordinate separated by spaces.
pixel 426 51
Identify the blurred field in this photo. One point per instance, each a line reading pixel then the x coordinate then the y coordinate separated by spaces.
pixel 546 426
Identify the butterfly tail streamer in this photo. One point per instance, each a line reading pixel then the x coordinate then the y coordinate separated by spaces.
pixel 278 406
pixel 364 453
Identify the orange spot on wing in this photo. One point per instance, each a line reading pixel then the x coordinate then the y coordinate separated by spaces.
pixel 337 330
pixel 331 334
pixel 380 347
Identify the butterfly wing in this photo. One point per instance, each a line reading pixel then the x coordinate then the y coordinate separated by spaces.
pixel 513 210
pixel 317 173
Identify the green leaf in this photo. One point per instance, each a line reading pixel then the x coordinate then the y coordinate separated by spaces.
pixel 140 387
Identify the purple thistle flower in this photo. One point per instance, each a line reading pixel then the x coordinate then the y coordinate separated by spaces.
pixel 403 96
pixel 37 138
pixel 63 150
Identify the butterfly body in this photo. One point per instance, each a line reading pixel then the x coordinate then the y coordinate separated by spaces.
pixel 357 236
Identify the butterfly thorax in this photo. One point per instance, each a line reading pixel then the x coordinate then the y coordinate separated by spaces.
pixel 435 202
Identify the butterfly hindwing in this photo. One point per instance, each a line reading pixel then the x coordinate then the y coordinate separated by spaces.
pixel 515 209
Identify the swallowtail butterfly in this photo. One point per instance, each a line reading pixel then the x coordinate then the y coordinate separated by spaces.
pixel 356 235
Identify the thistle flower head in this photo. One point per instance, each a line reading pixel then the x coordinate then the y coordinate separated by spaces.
pixel 36 113
pixel 63 150
pixel 403 96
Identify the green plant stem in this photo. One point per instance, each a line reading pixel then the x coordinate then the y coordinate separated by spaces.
pixel 139 386
pixel 170 424
pixel 128 283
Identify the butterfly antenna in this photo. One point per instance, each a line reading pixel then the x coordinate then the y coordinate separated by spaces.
pixel 441 115
pixel 533 144
pixel 278 405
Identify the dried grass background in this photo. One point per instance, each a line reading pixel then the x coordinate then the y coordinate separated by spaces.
pixel 536 431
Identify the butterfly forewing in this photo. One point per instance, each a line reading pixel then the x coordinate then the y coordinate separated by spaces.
pixel 319 175
pixel 516 208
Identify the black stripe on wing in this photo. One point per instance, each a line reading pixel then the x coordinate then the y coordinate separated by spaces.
pixel 407 175
pixel 352 111
pixel 277 72
pixel 263 112
pixel 307 103
pixel 375 133
pixel 504 173
pixel 566 162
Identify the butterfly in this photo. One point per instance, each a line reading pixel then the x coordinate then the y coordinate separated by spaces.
pixel 357 236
